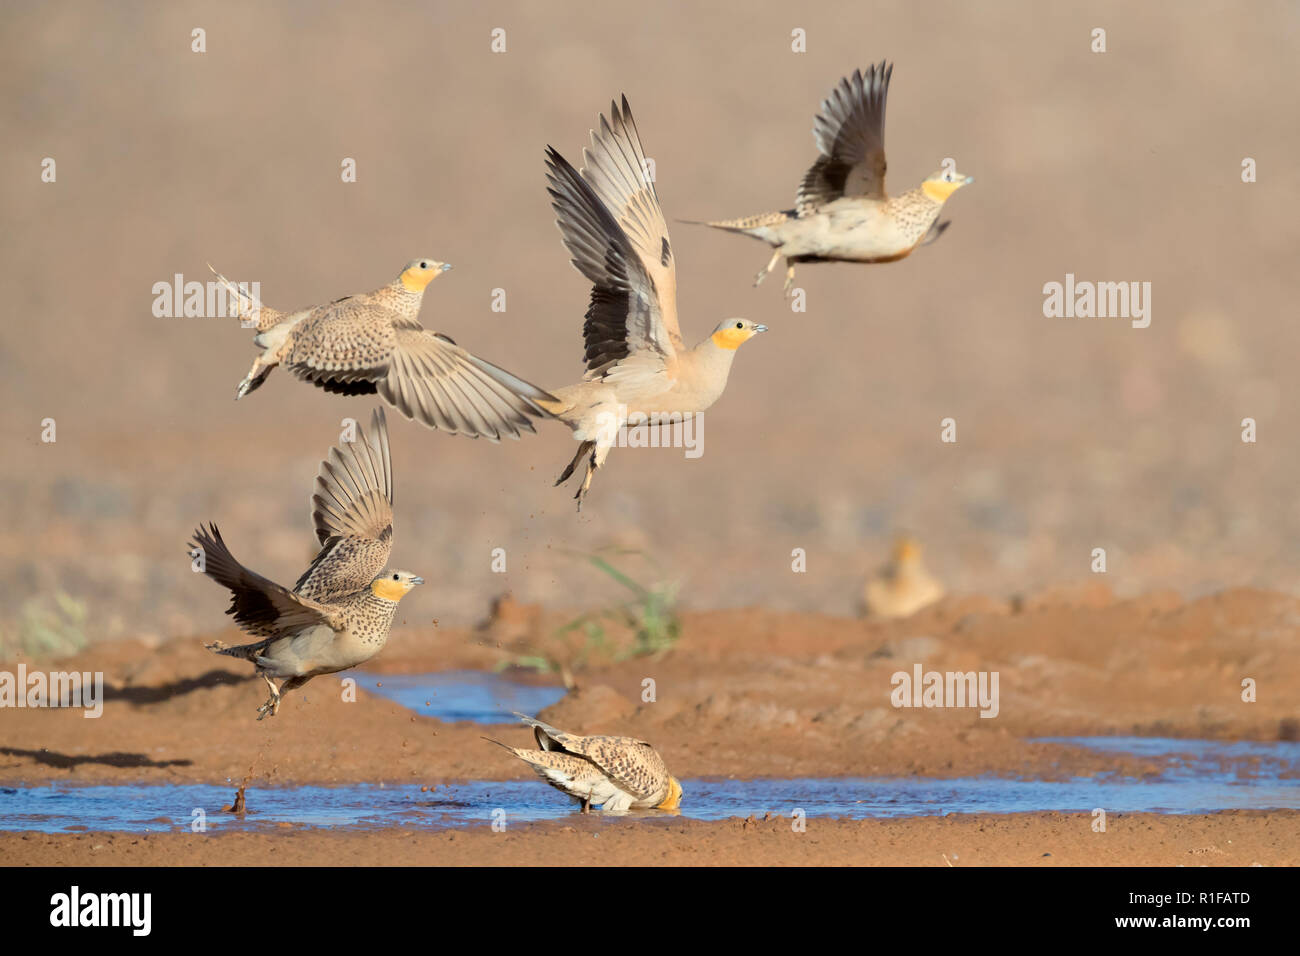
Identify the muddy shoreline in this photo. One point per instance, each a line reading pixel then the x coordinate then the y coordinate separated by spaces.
pixel 1234 838
pixel 743 693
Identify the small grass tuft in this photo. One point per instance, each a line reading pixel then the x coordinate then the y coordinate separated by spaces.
pixel 47 626
pixel 649 615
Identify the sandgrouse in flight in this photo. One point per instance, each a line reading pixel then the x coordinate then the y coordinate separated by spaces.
pixel 841 211
pixel 339 612
pixel 639 371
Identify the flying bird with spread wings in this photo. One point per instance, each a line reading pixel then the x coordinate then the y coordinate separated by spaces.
pixel 339 612
pixel 639 370
pixel 842 212
pixel 374 343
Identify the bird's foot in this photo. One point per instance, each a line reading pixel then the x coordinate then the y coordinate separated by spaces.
pixel 586 484
pixel 762 273
pixel 270 708
pixel 257 374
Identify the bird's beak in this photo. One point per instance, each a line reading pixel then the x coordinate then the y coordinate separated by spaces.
pixel 417 580
pixel 760 328
pixel 446 267
pixel 969 180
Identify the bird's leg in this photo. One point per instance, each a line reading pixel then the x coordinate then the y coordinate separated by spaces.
pixel 586 804
pixel 789 278
pixel 583 449
pixel 272 705
pixel 762 273
pixel 586 480
pixel 255 377
pixel 599 452
pixel 293 683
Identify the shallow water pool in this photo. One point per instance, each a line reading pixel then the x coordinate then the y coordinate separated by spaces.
pixel 477 696
pixel 1199 776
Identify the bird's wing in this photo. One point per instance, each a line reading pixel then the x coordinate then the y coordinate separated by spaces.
pixel 352 510
pixel 850 134
pixel 610 220
pixel 258 605
pixel 571 774
pixel 433 380
pixel 632 764
pixel 356 346
pixel 348 341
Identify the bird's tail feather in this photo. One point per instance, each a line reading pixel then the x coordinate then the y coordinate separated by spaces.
pixel 745 224
pixel 249 308
pixel 246 652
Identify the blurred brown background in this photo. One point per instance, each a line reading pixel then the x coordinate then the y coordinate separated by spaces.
pixel 1073 433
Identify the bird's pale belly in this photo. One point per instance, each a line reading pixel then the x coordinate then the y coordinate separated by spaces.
pixel 350 649
pixel 318 650
pixel 667 408
pixel 854 234
pixel 601 420
pixel 872 254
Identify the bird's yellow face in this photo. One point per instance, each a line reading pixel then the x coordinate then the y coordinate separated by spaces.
pixel 731 334
pixel 420 272
pixel 906 551
pixel 674 799
pixel 394 585
pixel 939 186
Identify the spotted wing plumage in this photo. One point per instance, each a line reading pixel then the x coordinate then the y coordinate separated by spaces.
pixel 346 341
pixel 633 765
pixel 355 345
pixel 352 510
pixel 576 776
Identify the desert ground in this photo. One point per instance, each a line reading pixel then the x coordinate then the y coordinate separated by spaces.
pixel 745 693
pixel 1072 434
pixel 1226 839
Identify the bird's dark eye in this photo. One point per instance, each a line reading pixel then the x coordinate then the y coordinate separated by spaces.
pixel 740 325
pixel 396 577
pixel 424 265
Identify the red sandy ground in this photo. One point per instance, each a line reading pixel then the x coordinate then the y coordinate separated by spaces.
pixel 745 693
pixel 1236 838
